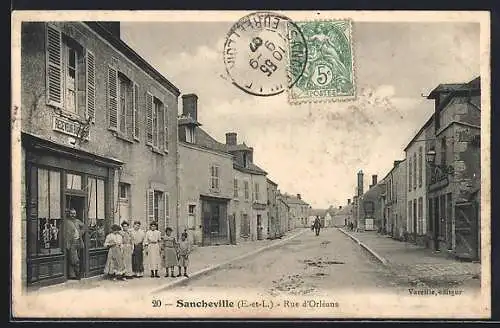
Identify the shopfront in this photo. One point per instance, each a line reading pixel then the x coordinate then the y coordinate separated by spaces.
pixel 58 179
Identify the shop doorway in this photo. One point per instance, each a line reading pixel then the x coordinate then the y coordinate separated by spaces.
pixel 78 203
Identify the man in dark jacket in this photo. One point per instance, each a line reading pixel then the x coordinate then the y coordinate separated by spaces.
pixel 73 232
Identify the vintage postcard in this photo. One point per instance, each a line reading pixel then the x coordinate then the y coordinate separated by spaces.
pixel 264 164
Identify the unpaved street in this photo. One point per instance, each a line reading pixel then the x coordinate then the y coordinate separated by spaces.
pixel 307 265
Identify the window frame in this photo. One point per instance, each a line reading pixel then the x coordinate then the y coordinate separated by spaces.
pixel 215 177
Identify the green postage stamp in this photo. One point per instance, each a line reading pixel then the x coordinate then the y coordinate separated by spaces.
pixel 329 71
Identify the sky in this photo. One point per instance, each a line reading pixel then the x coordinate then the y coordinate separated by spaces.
pixel 317 149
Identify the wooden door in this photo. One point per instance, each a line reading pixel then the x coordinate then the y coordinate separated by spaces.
pixel 466 230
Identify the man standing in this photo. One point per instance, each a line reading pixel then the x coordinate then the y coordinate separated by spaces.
pixel 74 229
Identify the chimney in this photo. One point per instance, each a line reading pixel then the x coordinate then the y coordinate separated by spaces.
pixel 190 106
pixel 298 196
pixel 231 138
pixel 360 183
pixel 340 207
pixel 374 179
pixel 112 27
pixel 348 201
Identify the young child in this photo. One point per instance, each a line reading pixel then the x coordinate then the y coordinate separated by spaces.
pixel 114 267
pixel 152 245
pixel 170 256
pixel 184 251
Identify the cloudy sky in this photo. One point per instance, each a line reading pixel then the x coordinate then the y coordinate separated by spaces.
pixel 316 149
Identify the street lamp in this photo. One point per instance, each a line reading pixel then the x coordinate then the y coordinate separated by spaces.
pixel 431 160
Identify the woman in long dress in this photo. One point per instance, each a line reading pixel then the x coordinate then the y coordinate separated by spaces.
pixel 114 267
pixel 138 236
pixel 170 256
pixel 127 249
pixel 152 247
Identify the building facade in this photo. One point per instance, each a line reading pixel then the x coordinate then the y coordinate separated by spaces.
pixel 206 175
pixel 456 169
pixel 274 226
pixel 283 213
pixel 395 200
pixel 417 174
pixel 370 209
pixel 99 134
pixel 299 210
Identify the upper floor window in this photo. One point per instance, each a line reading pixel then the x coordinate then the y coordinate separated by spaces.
pixel 70 75
pixel 214 177
pixel 122 102
pixel 190 136
pixel 156 123
pixel 443 151
pixel 420 165
pixel 256 192
pixel 245 160
pixel 414 170
pixel 410 171
pixel 247 190
pixel 235 192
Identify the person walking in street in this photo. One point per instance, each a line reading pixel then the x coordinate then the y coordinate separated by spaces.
pixel 138 236
pixel 127 249
pixel 114 268
pixel 184 251
pixel 317 225
pixel 170 254
pixel 152 246
pixel 74 230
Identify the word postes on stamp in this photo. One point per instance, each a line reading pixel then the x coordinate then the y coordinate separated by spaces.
pixel 329 71
pixel 256 53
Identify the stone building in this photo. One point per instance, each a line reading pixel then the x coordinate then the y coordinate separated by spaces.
pixel 274 226
pixel 99 134
pixel 456 169
pixel 395 200
pixel 417 174
pixel 206 175
pixel 283 214
pixel 299 210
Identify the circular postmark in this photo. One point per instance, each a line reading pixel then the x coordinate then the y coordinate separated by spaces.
pixel 265 53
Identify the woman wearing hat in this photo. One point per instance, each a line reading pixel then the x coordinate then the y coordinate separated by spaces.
pixel 152 248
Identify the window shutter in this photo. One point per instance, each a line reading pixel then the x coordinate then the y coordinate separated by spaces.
pixel 90 90
pixel 135 104
pixel 166 210
pixel 149 118
pixel 165 127
pixel 112 97
pixel 150 206
pixel 54 66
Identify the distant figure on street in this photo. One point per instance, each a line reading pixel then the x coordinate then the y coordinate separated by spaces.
pixel 74 229
pixel 317 225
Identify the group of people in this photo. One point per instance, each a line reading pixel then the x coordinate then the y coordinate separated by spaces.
pixel 130 251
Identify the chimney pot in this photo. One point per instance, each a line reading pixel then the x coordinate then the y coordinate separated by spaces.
pixel 374 179
pixel 298 196
pixel 231 138
pixel 348 201
pixel 190 106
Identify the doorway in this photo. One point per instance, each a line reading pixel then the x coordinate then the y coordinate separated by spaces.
pixel 78 203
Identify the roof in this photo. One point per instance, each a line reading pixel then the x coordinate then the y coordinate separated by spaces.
pixel 454 87
pixel 271 182
pixel 426 125
pixel 289 199
pixel 133 56
pixel 318 212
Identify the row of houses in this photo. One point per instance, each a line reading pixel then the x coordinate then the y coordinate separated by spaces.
pixel 432 196
pixel 101 133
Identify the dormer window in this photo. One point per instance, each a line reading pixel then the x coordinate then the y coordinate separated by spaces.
pixel 190 135
pixel 245 160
